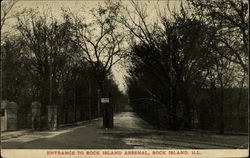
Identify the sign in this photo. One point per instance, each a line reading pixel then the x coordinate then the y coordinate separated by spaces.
pixel 104 100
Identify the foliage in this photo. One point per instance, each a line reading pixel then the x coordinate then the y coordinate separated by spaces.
pixel 179 62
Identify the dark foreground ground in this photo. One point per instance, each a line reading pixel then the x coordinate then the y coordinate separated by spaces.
pixel 130 132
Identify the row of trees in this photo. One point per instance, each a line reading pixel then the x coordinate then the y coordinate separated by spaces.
pixel 63 60
pixel 192 65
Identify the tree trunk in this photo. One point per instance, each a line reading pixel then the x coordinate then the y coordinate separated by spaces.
pixel 175 124
pixel 221 106
pixel 90 92
pixel 221 112
pixel 75 103
pixel 187 113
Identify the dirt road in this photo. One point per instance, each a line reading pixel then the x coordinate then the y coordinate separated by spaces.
pixel 129 132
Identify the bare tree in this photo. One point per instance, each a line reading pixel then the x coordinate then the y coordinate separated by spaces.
pixel 100 38
pixel 6 6
pixel 231 19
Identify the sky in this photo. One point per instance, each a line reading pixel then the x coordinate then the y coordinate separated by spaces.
pixel 118 70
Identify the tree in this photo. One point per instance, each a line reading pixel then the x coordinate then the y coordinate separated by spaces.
pixel 102 45
pixel 15 66
pixel 6 6
pixel 49 49
pixel 99 39
pixel 231 19
pixel 169 59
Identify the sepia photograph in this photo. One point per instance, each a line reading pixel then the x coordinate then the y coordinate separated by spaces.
pixel 127 78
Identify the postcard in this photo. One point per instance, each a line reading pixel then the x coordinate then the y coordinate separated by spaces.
pixel 124 78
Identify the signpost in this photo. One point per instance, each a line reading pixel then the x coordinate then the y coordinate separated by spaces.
pixel 107 113
pixel 105 100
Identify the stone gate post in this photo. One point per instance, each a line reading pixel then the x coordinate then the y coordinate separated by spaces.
pixel 12 116
pixel 36 115
pixel 52 117
pixel 9 118
pixel 3 115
